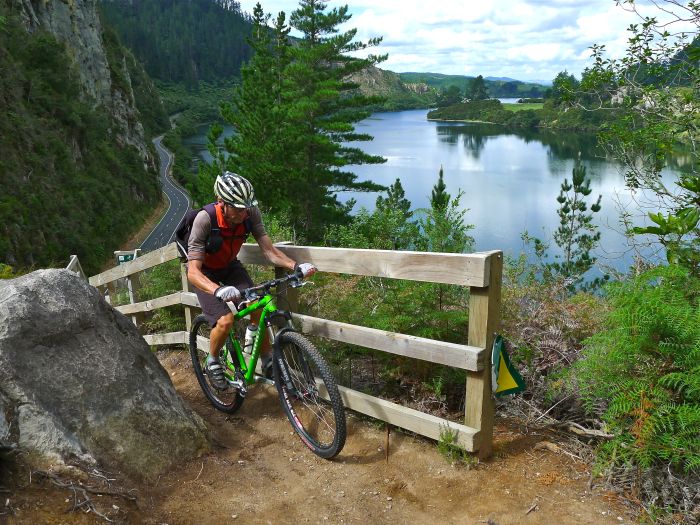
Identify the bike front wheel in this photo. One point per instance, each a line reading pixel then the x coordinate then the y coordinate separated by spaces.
pixel 309 394
pixel 228 400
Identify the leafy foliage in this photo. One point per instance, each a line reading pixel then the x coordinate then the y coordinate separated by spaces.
pixel 655 87
pixel 645 368
pixel 476 90
pixel 450 449
pixel 548 115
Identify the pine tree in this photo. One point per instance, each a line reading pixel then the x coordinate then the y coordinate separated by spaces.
pixel 443 227
pixel 577 236
pixel 395 200
pixel 321 108
pixel 256 151
pixel 439 198
pixel 393 215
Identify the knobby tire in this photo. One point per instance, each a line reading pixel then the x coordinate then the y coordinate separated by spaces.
pixel 318 420
pixel 227 401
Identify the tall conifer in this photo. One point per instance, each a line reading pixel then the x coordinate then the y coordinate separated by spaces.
pixel 321 108
pixel 256 150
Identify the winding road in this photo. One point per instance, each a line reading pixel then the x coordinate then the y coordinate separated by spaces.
pixel 179 203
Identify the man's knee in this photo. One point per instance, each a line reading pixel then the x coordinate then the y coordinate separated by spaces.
pixel 225 322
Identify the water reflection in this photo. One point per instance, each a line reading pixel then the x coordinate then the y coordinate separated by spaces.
pixel 474 137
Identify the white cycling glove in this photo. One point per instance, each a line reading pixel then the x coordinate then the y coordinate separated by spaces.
pixel 227 293
pixel 306 269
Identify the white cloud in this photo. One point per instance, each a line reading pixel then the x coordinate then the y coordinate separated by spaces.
pixel 523 39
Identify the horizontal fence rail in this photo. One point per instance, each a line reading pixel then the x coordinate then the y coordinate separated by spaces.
pixel 439 352
pixel 407 418
pixel 480 271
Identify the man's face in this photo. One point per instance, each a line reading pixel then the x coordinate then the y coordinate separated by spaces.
pixel 234 215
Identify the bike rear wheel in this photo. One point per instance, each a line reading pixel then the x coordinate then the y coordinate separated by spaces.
pixel 228 400
pixel 309 394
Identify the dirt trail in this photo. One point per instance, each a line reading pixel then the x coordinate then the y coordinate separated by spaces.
pixel 259 472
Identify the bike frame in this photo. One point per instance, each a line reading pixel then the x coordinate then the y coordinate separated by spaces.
pixel 268 306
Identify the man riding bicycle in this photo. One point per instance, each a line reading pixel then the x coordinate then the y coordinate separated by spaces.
pixel 215 271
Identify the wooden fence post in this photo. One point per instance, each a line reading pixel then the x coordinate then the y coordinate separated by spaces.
pixel 111 292
pixel 186 287
pixel 133 284
pixel 484 320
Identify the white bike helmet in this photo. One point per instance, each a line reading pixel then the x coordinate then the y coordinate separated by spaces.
pixel 234 190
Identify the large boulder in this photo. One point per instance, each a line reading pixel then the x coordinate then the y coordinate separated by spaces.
pixel 78 382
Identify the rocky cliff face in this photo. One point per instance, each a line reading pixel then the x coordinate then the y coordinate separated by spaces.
pixel 374 81
pixel 77 24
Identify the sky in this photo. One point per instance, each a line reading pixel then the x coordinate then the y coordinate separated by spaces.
pixel 529 40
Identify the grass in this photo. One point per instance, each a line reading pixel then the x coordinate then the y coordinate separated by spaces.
pixel 522 107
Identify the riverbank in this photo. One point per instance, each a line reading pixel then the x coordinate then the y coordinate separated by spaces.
pixel 536 116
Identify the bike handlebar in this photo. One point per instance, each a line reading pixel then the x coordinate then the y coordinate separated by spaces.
pixel 252 293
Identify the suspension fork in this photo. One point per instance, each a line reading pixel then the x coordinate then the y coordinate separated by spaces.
pixel 285 375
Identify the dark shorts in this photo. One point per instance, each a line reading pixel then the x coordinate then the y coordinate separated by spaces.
pixel 235 275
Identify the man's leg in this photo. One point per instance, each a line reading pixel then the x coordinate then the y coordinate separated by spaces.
pixel 218 334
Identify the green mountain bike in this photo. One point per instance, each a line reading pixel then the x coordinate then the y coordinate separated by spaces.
pixel 306 388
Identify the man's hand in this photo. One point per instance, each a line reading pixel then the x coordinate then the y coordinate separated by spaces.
pixel 227 293
pixel 305 270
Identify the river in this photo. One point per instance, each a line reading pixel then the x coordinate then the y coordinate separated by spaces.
pixel 510 179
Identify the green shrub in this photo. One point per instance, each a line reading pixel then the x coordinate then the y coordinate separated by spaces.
pixel 643 371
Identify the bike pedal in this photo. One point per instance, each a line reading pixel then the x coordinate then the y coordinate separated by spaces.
pixel 240 386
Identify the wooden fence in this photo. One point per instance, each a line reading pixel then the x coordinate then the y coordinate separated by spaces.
pixel 481 272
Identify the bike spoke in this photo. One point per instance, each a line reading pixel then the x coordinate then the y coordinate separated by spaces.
pixel 315 415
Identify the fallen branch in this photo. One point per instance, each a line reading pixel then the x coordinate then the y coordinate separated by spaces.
pixel 200 472
pixel 585 432
pixel 86 504
pixel 102 492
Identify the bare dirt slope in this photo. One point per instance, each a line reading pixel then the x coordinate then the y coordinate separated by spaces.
pixel 260 472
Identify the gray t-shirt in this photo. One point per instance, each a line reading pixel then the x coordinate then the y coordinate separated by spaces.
pixel 201 228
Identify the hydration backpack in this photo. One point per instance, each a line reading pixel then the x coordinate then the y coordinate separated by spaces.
pixel 215 240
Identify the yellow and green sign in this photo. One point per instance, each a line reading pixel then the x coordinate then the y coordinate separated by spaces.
pixel 505 378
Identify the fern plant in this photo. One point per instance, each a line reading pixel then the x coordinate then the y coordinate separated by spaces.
pixel 645 369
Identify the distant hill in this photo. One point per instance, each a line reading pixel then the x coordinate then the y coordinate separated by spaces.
pixel 497 88
pixel 504 79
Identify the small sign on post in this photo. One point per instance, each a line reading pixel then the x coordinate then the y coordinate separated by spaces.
pixel 126 255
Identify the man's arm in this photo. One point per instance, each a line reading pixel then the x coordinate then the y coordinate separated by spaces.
pixel 274 255
pixel 198 279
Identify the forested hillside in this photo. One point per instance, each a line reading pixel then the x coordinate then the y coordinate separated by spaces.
pixel 72 182
pixel 182 41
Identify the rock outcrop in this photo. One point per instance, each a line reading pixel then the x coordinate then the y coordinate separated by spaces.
pixel 78 382
pixel 77 24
